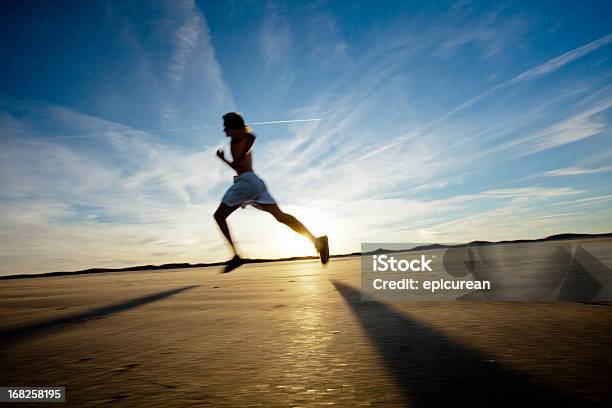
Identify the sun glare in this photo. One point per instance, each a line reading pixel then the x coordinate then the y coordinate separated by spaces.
pixel 319 223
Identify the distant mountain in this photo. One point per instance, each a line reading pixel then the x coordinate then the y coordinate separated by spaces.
pixel 428 247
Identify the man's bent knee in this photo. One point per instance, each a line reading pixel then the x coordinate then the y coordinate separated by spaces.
pixel 219 216
pixel 282 217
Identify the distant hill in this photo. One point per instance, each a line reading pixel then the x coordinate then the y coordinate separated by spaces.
pixel 428 247
pixel 558 237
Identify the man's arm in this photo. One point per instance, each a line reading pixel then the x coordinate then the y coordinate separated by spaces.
pixel 248 146
pixel 221 155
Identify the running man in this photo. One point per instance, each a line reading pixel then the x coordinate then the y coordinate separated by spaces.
pixel 250 189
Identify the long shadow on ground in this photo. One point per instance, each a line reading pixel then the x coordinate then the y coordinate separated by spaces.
pixel 435 370
pixel 23 332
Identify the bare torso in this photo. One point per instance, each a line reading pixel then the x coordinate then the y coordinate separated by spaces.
pixel 240 146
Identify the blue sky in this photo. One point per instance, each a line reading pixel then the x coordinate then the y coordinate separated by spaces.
pixel 443 122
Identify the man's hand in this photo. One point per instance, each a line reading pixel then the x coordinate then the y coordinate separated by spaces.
pixel 221 154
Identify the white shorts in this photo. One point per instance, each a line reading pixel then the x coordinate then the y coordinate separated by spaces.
pixel 247 189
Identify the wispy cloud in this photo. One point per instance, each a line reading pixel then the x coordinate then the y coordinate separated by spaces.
pixel 491 32
pixel 193 55
pixel 542 69
pixel 275 38
pixel 327 49
pixel 186 39
pixel 583 202
pixel 578 127
pixel 563 59
pixel 577 171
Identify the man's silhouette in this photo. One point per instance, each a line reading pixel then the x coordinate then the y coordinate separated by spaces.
pixel 250 189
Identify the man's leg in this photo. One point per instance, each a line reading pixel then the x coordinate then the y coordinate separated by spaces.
pixel 287 219
pixel 221 215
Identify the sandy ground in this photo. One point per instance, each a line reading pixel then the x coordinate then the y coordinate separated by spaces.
pixel 293 334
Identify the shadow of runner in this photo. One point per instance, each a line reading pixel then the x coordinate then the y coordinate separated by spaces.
pixel 19 333
pixel 435 370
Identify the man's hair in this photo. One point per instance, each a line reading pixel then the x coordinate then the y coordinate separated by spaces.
pixel 233 120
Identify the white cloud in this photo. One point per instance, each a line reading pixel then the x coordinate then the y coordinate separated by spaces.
pixel 490 32
pixel 194 58
pixel 580 126
pixel 186 40
pixel 275 38
pixel 584 202
pixel 542 69
pixel 577 171
pixel 563 59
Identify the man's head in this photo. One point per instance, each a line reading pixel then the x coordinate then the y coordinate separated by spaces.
pixel 233 121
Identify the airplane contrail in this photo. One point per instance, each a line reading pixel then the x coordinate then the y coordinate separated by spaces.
pixel 186 128
pixel 250 123
pixel 285 121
